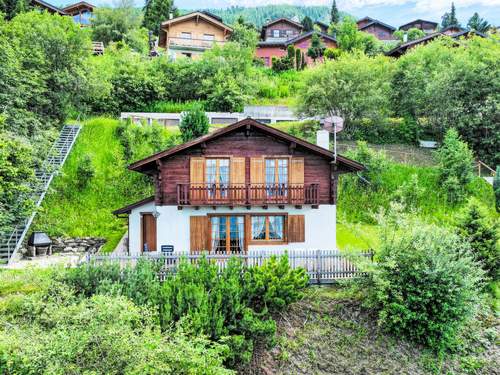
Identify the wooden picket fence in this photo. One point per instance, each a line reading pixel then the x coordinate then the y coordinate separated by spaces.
pixel 322 266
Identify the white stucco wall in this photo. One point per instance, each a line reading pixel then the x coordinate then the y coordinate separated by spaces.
pixel 173 226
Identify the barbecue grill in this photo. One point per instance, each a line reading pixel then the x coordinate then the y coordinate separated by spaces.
pixel 40 240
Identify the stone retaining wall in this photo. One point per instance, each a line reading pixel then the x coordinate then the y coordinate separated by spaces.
pixel 69 245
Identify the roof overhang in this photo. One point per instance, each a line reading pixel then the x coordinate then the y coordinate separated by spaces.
pixel 189 16
pixel 148 165
pixel 128 209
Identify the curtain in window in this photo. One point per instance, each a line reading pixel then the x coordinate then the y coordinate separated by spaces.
pixel 237 234
pixel 276 227
pixel 219 234
pixel 258 227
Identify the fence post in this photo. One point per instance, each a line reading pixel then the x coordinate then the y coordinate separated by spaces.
pixel 318 266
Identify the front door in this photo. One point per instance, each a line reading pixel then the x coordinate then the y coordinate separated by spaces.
pixel 148 233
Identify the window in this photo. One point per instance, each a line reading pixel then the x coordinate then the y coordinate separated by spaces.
pixel 210 37
pixel 217 177
pixel 276 33
pixel 228 234
pixel 268 228
pixel 185 35
pixel 276 177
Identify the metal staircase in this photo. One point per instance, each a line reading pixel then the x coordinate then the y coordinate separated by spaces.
pixel 11 242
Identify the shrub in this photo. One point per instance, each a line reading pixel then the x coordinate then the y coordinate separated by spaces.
pixel 100 335
pixel 374 162
pixel 475 226
pixel 84 172
pixel 410 192
pixel 388 130
pixel 194 123
pixel 496 188
pixel 426 283
pixel 455 164
pixel 282 64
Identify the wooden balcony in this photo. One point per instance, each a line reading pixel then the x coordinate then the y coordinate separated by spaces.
pixel 246 194
pixel 202 44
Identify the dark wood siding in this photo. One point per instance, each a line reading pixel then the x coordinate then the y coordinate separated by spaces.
pixel 176 169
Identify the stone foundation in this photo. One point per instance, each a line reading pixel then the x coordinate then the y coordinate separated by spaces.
pixel 69 245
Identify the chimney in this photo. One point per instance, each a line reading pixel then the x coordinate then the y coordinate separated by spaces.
pixel 323 138
pixel 405 37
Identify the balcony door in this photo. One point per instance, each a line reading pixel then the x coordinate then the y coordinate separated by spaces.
pixel 217 178
pixel 276 178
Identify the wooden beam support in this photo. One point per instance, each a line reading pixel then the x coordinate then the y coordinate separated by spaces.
pixel 247 130
pixel 298 207
pixel 281 206
pixel 291 148
pixel 179 208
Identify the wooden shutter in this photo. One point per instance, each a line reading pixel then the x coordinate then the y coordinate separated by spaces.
pixel 296 228
pixel 238 187
pixel 296 180
pixel 257 179
pixel 198 231
pixel 197 179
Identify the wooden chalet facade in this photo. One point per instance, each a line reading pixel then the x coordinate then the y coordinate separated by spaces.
pixel 378 29
pixel 427 27
pixel 192 34
pixel 239 189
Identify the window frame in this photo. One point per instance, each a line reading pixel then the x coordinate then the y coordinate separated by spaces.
pixel 227 216
pixel 267 240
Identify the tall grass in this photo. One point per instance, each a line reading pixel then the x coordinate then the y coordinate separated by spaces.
pixel 172 106
pixel 70 211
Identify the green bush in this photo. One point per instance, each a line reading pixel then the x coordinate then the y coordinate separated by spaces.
pixel 232 307
pixel 426 283
pixel 455 165
pixel 476 227
pixel 101 335
pixel 170 106
pixel 375 163
pixel 194 123
pixel 388 130
pixel 496 188
pixel 84 172
pixel 302 129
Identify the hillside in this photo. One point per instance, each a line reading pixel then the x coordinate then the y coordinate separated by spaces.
pixel 260 15
pixel 74 211
pixel 331 331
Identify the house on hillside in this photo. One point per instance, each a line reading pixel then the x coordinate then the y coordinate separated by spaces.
pixel 192 34
pixel 243 188
pixel 81 12
pixel 323 27
pixel 454 32
pixel 277 35
pixel 378 29
pixel 427 27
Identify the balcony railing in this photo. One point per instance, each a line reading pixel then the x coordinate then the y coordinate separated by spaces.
pixel 192 43
pixel 246 194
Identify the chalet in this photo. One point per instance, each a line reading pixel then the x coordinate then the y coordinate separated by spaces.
pixel 243 188
pixel 453 32
pixel 427 27
pixel 192 34
pixel 281 29
pixel 43 5
pixel 378 29
pixel 81 12
pixel 267 50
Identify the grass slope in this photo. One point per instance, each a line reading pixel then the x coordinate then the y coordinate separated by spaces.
pixel 69 211
pixel 331 332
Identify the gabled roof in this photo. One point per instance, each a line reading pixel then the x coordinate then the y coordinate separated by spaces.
pixel 401 49
pixel 127 209
pixel 366 19
pixel 216 20
pixel 282 19
pixel 451 27
pixel 418 21
pixel 80 4
pixel 149 163
pixel 49 7
pixel 322 25
pixel 380 23
pixel 307 35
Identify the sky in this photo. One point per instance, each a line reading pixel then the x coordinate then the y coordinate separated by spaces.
pixel 394 12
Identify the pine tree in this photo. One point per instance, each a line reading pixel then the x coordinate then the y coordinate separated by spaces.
pixel 450 19
pixel 477 23
pixel 496 188
pixel 157 11
pixel 334 13
pixel 307 23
